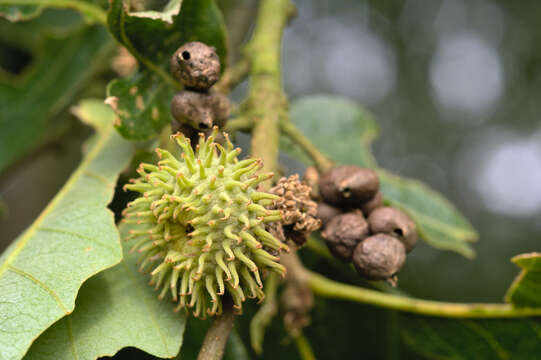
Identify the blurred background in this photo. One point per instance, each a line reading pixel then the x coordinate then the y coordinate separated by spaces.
pixel 454 85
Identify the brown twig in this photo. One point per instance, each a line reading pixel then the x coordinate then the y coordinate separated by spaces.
pixel 297 298
pixel 216 338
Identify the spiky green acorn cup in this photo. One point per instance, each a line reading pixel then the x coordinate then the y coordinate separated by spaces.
pixel 201 225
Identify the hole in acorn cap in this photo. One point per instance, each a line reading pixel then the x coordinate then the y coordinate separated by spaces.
pixel 186 55
pixel 346 192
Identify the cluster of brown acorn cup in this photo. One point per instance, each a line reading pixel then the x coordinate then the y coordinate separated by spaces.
pixel 358 228
pixel 198 107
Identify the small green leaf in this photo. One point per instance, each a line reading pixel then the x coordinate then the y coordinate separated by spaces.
pixel 439 223
pixel 141 104
pixel 336 126
pixel 156 38
pixel 62 67
pixel 114 309
pixel 438 338
pixel 526 289
pixel 73 238
pixel 19 10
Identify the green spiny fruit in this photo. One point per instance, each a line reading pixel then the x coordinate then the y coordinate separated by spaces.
pixel 202 225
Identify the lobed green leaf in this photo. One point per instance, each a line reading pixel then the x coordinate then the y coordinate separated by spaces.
pixel 337 126
pixel 439 223
pixel 72 239
pixel 114 309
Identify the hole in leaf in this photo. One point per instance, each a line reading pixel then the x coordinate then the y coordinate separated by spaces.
pixel 186 55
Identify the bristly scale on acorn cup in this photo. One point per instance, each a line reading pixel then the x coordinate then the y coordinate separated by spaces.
pixel 202 225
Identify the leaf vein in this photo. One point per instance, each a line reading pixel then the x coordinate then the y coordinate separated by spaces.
pixel 98 177
pixel 489 338
pixel 76 234
pixel 69 328
pixel 40 284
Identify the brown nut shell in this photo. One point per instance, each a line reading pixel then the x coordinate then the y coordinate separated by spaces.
pixel 379 257
pixel 200 110
pixel 393 222
pixel 196 66
pixel 372 204
pixel 348 185
pixel 326 212
pixel 344 232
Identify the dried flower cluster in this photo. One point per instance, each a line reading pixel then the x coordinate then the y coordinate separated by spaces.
pixel 299 211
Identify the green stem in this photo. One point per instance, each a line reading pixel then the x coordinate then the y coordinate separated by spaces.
pixel 321 161
pixel 264 315
pixel 241 123
pixel 304 348
pixel 266 101
pixel 233 76
pixel 329 288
